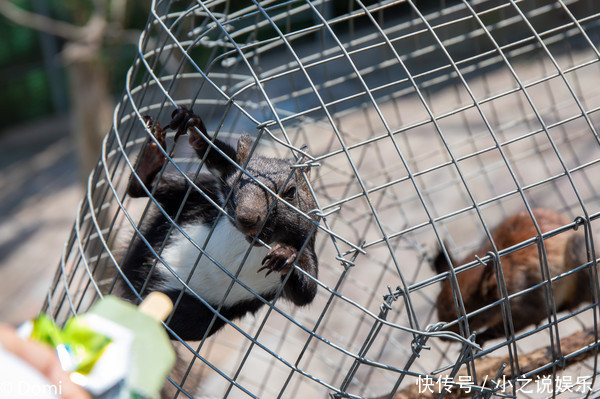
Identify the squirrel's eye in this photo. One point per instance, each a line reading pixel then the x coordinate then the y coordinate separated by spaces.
pixel 289 193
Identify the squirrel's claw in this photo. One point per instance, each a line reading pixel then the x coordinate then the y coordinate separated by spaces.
pixel 153 158
pixel 157 130
pixel 279 259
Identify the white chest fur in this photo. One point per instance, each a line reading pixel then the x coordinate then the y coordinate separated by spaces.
pixel 229 248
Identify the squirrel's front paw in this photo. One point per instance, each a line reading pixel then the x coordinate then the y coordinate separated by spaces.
pixel 279 259
pixel 184 120
pixel 153 158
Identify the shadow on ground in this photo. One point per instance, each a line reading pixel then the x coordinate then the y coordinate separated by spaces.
pixel 39 193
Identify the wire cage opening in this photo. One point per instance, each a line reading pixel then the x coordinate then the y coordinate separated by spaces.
pixel 427 126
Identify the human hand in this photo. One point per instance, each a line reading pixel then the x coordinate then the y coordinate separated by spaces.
pixel 43 359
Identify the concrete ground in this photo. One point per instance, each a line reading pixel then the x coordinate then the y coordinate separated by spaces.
pixel 39 193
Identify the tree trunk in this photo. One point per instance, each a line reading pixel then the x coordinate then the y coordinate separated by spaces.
pixel 92 109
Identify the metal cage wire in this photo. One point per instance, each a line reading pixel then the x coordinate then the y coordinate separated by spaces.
pixel 427 124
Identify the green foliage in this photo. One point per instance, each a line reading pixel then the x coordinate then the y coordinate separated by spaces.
pixel 25 87
pixel 22 76
pixel 26 97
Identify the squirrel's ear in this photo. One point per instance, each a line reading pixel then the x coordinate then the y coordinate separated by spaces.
pixel 440 263
pixel 488 284
pixel 243 148
pixel 307 171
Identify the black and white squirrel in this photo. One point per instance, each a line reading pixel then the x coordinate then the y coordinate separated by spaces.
pixel 254 214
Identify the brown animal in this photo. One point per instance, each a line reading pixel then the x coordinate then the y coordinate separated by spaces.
pixel 521 269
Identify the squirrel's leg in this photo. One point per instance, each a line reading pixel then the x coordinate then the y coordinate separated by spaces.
pixel 149 162
pixel 300 288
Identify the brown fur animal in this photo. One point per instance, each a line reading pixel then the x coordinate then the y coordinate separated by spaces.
pixel 522 269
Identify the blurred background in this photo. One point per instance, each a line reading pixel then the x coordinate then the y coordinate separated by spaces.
pixel 62 66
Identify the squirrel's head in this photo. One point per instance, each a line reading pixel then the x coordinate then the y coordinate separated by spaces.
pixel 257 211
pixel 474 284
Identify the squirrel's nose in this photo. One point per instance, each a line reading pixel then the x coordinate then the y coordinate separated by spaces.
pixel 248 220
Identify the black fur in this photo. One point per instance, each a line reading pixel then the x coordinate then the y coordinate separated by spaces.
pixel 253 209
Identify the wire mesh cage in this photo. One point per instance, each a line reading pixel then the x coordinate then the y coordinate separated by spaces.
pixel 455 134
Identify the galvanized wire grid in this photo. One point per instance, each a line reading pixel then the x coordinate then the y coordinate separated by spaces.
pixel 426 122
